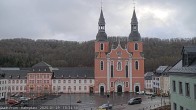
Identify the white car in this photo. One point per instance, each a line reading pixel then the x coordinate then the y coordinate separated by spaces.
pixel 24 98
pixel 105 106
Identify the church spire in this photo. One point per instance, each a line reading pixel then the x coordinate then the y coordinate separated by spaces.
pixel 134 35
pixel 101 35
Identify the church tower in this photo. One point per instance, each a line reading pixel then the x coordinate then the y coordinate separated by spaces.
pixel 101 49
pixel 135 46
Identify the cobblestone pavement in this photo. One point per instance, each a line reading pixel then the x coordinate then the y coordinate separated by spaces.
pixel 92 102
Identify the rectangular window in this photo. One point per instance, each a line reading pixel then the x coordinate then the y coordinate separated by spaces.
pixel 54 81
pixel 112 84
pixel 74 81
pixel 175 106
pixel 85 81
pixel 174 86
pixel 195 91
pixel 64 81
pixel 180 88
pixel 69 81
pixel 181 108
pixel 187 89
pixel 79 81
pixel 59 81
pixel 127 84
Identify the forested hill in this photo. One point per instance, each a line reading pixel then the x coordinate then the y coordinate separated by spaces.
pixel 27 52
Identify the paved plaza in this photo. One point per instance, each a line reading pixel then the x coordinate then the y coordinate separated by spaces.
pixel 92 102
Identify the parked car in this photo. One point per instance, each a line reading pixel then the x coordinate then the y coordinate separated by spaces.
pixel 12 101
pixel 153 96
pixel 105 106
pixel 43 98
pixel 136 100
pixel 24 104
pixel 24 98
pixel 141 92
pixel 149 93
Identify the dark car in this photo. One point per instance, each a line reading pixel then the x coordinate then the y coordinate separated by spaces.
pixel 136 100
pixel 24 104
pixel 153 96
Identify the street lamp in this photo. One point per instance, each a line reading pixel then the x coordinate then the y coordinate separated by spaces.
pixel 69 90
pixel 113 97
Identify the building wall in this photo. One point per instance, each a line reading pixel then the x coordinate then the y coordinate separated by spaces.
pixel 166 85
pixel 156 84
pixel 127 57
pixel 3 88
pixel 39 82
pixel 148 84
pixel 75 85
pixel 181 99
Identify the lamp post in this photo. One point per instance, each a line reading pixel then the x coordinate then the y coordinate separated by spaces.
pixel 161 96
pixel 69 90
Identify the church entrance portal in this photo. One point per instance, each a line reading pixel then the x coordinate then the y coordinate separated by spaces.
pixel 137 89
pixel 119 89
pixel 102 90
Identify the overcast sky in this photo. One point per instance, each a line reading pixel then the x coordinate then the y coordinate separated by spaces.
pixel 77 20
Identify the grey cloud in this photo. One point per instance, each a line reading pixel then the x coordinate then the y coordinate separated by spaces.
pixel 77 19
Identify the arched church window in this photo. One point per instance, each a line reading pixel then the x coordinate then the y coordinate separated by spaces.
pixel 101 46
pixel 119 66
pixel 136 46
pixel 126 69
pixel 112 69
pixel 136 65
pixel 101 65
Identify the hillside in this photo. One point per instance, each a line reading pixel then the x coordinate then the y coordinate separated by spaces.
pixel 26 52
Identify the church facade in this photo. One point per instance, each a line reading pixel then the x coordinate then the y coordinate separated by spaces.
pixel 119 69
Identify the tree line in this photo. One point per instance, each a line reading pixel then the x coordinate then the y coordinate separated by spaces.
pixel 22 52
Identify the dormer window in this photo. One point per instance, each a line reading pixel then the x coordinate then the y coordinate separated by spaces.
pixel 39 69
pixel 33 69
pixel 44 69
